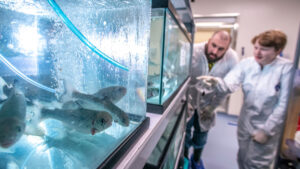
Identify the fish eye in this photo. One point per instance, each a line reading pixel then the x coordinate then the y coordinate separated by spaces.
pixel 102 121
pixel 18 128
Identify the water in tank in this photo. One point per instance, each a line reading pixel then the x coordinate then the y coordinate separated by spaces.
pixel 72 80
pixel 169 56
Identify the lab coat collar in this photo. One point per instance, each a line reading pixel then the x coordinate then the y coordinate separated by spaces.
pixel 267 66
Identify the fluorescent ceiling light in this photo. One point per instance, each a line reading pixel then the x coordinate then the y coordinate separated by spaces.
pixel 218 15
pixel 204 24
pixel 215 24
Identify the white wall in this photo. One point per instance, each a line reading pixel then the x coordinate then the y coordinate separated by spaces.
pixel 257 16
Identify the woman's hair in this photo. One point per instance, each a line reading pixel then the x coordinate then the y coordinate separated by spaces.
pixel 271 38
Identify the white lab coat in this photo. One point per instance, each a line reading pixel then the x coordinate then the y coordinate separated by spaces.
pixel 200 68
pixel 265 101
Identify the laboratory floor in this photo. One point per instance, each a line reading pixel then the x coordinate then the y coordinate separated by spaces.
pixel 220 151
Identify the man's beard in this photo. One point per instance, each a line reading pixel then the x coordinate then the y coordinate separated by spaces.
pixel 210 60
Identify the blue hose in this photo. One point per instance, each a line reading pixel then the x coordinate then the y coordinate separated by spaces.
pixel 70 25
pixel 26 78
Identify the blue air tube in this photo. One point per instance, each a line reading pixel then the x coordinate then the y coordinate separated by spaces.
pixel 70 25
pixel 20 74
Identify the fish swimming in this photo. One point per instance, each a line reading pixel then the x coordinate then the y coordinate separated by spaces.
pixel 94 103
pixel 82 120
pixel 113 93
pixel 104 99
pixel 153 92
pixel 12 118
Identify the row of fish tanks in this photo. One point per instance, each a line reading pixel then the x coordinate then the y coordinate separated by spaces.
pixel 75 85
pixel 170 52
pixel 170 46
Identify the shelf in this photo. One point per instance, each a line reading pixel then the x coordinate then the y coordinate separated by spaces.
pixel 140 152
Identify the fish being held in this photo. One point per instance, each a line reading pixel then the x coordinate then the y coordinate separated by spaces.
pixel 104 99
pixel 12 118
pixel 82 120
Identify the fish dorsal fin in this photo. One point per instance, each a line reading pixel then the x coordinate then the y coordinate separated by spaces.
pixel 10 90
pixel 13 89
pixel 7 90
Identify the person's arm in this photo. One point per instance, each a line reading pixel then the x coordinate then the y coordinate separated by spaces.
pixel 219 88
pixel 232 80
pixel 232 63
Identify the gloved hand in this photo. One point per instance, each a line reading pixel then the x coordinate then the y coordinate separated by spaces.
pixel 206 84
pixel 260 136
pixel 207 113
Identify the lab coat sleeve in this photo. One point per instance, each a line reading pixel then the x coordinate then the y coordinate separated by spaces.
pixel 228 85
pixel 224 87
pixel 276 119
pixel 232 80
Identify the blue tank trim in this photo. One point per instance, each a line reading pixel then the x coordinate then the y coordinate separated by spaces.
pixel 23 76
pixel 70 25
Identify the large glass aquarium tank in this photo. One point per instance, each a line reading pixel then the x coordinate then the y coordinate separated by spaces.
pixel 169 60
pixel 72 81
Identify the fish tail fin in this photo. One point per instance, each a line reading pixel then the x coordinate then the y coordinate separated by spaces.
pixel 44 114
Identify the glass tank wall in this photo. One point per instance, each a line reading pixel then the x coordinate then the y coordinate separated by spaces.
pixel 72 80
pixel 169 56
pixel 174 149
pixel 167 149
